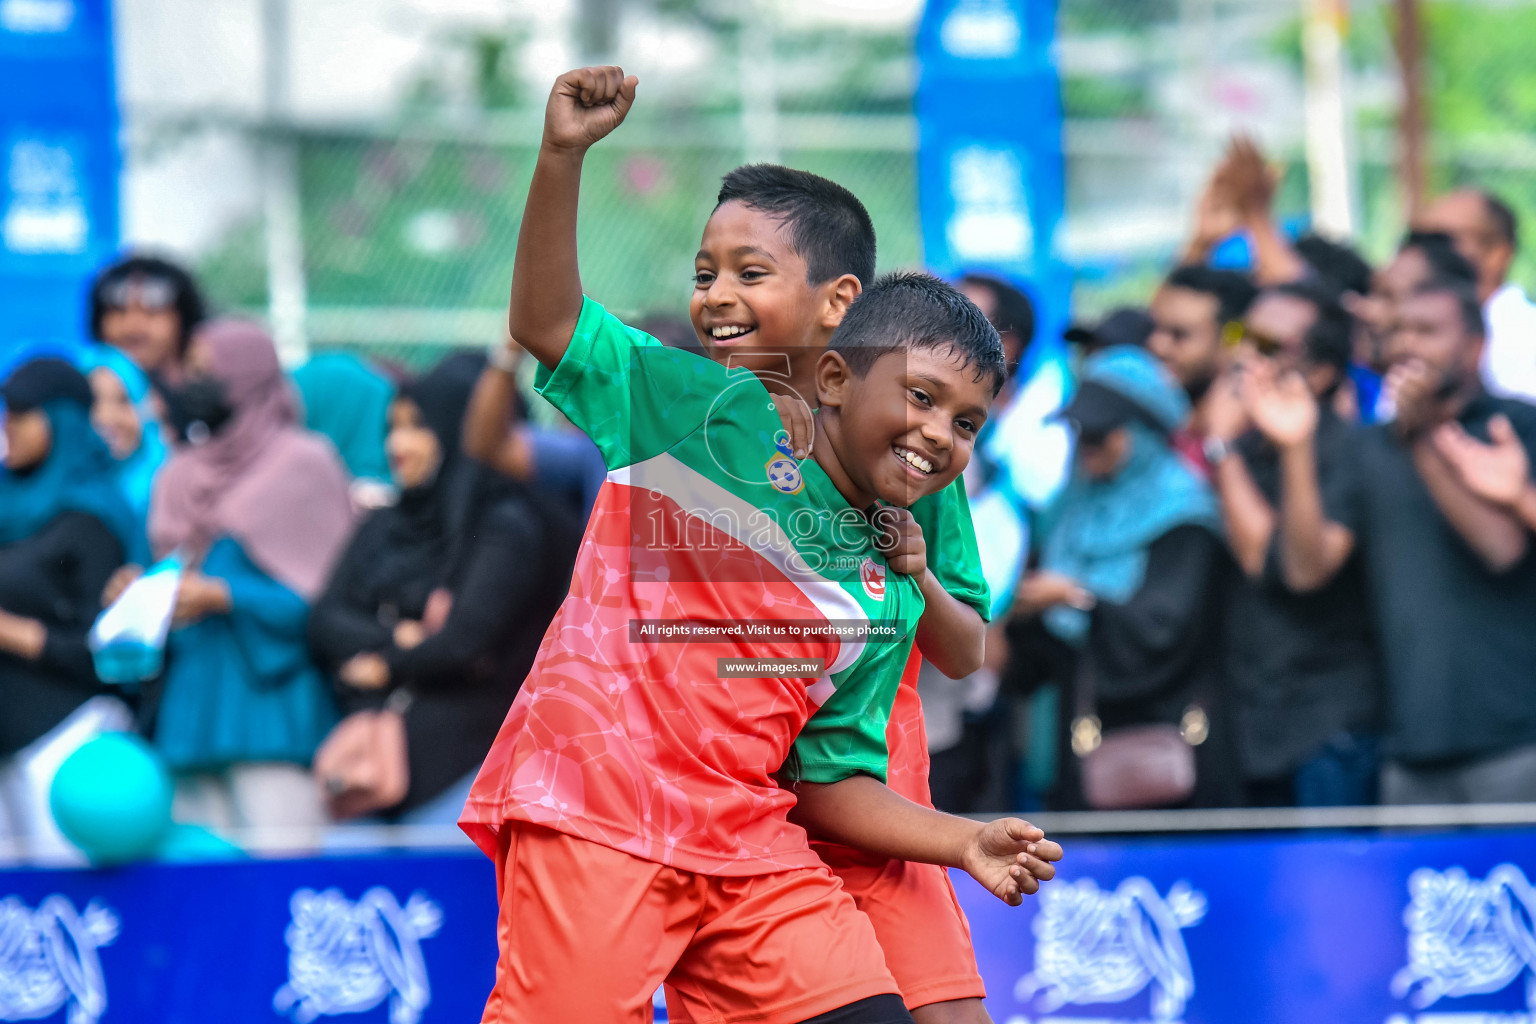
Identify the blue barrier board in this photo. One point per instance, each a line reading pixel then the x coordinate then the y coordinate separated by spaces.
pixel 1403 929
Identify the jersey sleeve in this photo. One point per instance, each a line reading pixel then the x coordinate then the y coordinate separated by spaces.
pixel 634 397
pixel 846 735
pixel 953 557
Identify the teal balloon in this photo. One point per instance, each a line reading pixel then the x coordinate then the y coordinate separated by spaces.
pixel 112 798
pixel 183 843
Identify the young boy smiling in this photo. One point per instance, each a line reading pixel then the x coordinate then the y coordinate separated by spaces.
pixel 783 258
pixel 630 801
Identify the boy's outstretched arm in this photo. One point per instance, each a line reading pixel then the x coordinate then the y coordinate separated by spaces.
pixel 1009 856
pixel 584 106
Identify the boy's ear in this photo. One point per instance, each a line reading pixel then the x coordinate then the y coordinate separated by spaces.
pixel 833 377
pixel 840 295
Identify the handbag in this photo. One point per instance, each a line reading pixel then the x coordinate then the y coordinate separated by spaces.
pixel 362 766
pixel 1137 767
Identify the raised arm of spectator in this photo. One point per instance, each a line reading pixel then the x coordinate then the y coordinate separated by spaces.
pixel 1215 219
pixel 1248 517
pixel 1498 472
pixel 1493 532
pixel 1252 183
pixel 1313 547
pixel 492 408
pixel 584 106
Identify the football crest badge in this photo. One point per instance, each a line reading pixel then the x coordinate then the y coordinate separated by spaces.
pixel 872 575
pixel 783 471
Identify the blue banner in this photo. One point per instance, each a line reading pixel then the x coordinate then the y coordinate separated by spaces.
pixel 401 939
pixel 58 163
pixel 1422 929
pixel 1356 929
pixel 990 160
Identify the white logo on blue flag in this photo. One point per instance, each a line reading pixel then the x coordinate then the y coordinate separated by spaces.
pixel 991 216
pixel 37 17
pixel 1466 936
pixel 346 957
pixel 48 959
pixel 982 30
pixel 1098 946
pixel 44 212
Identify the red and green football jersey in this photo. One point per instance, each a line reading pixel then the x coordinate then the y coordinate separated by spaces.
pixel 628 731
pixel 945 519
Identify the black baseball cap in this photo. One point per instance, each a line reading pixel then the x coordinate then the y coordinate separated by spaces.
pixel 1126 325
pixel 1097 410
pixel 40 381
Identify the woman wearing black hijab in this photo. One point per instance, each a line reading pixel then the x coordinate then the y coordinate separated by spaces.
pixel 65 527
pixel 434 614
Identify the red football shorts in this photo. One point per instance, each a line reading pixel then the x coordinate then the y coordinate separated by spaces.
pixel 917 917
pixel 587 934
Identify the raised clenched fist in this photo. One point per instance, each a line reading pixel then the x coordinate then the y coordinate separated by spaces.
pixel 587 104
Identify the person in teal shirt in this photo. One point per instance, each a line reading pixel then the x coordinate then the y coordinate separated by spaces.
pixel 256 509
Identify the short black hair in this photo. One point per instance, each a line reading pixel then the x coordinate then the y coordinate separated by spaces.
pixel 1467 304
pixel 1506 226
pixel 911 312
pixel 1338 267
pixel 828 226
pixel 1330 339
pixel 1233 292
pixel 1015 312
pixel 1439 251
pixel 188 301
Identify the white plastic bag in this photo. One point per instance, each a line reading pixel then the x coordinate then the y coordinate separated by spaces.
pixel 128 640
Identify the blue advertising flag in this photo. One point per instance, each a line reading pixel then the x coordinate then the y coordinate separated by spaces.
pixel 990 160
pixel 58 163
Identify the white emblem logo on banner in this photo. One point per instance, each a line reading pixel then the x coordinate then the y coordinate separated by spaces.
pixel 1097 946
pixel 1467 937
pixel 346 957
pixel 46 213
pixel 48 959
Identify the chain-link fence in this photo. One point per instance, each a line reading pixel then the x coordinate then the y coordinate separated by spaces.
pixel 407 232
pixel 408 242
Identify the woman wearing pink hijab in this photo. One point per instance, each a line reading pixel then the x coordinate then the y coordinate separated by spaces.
pixel 257 508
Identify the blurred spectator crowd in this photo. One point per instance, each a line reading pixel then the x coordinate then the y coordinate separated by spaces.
pixel 358 597
pixel 1263 542
pixel 1295 533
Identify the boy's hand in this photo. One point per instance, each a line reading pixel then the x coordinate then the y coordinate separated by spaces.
pixel 901 541
pixel 799 422
pixel 1011 858
pixel 585 105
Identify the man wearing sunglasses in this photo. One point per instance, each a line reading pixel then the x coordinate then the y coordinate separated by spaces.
pixel 1301 658
pixel 1451 586
pixel 147 308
